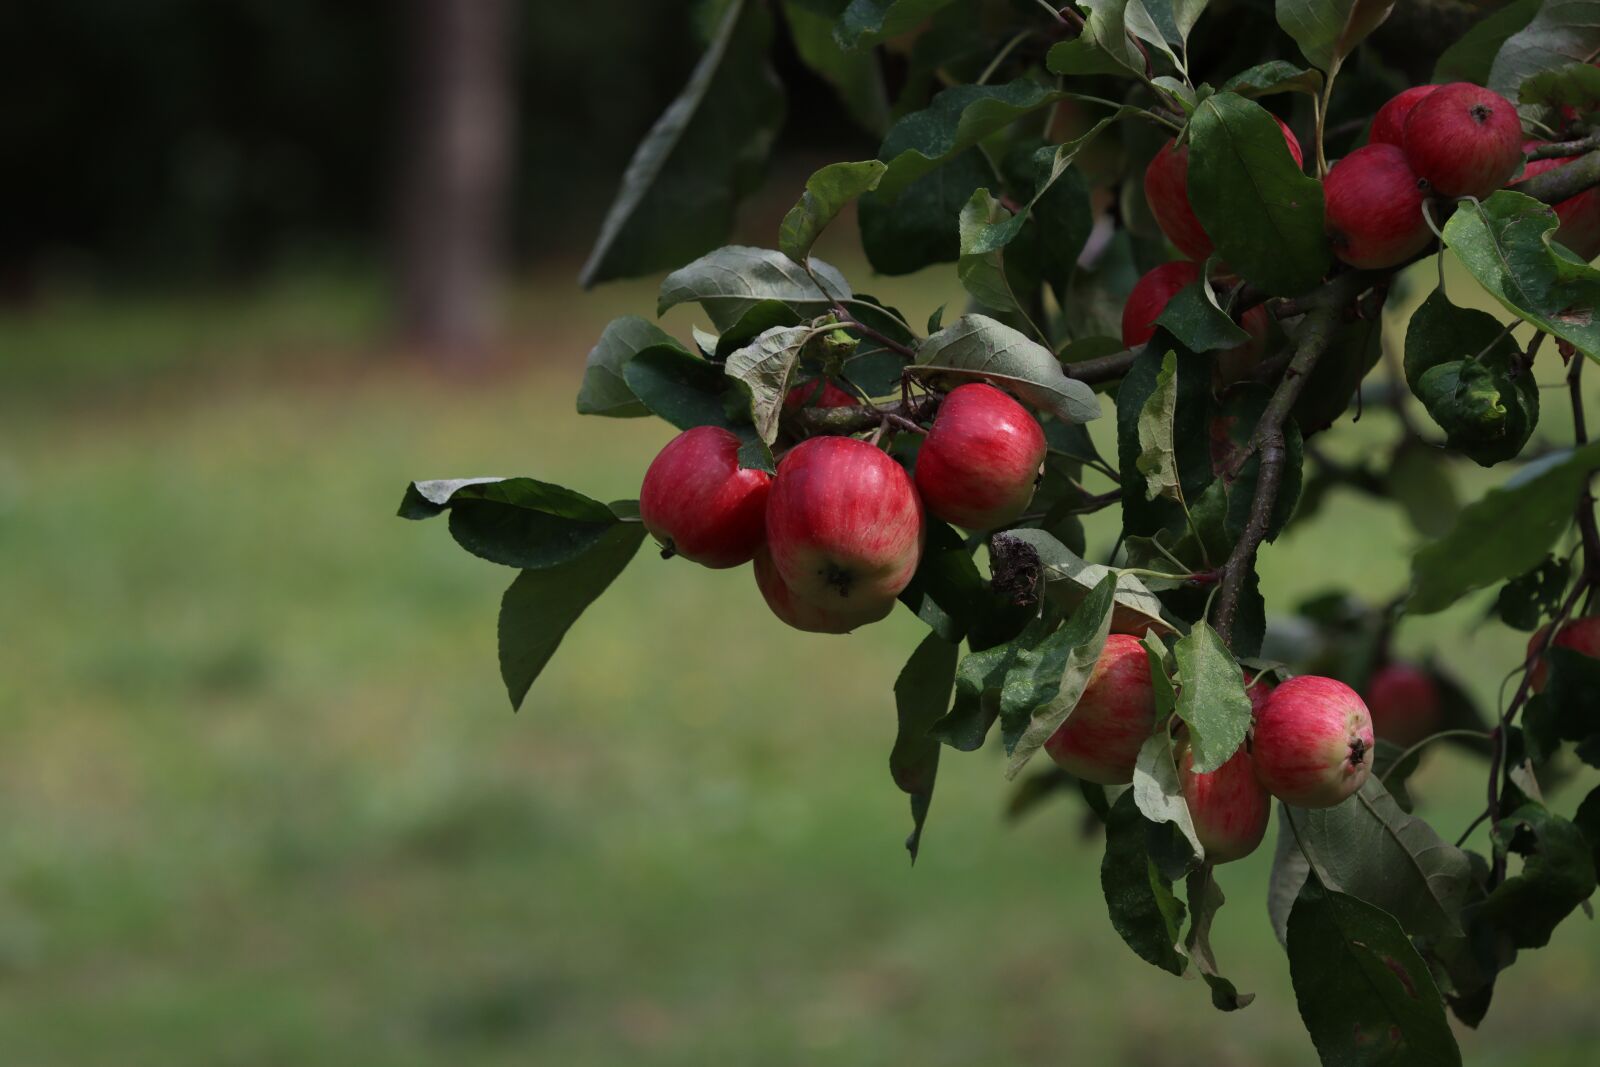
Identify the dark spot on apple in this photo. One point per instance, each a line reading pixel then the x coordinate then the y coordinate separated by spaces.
pixel 839 578
pixel 1480 113
pixel 1358 751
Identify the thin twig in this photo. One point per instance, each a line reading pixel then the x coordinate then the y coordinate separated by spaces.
pixel 1564 182
pixel 1561 149
pixel 850 322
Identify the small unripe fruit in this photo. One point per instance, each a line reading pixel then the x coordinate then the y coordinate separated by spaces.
pixel 1166 188
pixel 1100 740
pixel 818 393
pixel 1312 743
pixel 844 525
pixel 1463 140
pixel 1228 807
pixel 978 464
pixel 1150 297
pixel 1374 208
pixel 1580 635
pixel 699 504
pixel 1579 215
pixel 1389 125
pixel 1404 702
pixel 839 618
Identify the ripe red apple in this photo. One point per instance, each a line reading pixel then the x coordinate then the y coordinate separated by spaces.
pixel 837 618
pixel 1579 215
pixel 844 524
pixel 698 503
pixel 1229 808
pixel 1389 124
pixel 1153 292
pixel 1580 635
pixel 978 464
pixel 1463 139
pixel 818 393
pixel 1312 743
pixel 1100 740
pixel 1404 702
pixel 1374 208
pixel 1166 187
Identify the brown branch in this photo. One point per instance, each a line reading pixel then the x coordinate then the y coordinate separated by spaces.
pixel 1560 149
pixel 811 421
pixel 1316 334
pixel 1102 368
pixel 1564 182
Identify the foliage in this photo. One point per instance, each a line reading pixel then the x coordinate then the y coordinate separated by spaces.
pixel 1385 924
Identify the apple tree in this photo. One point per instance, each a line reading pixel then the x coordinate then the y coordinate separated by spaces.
pixel 1188 217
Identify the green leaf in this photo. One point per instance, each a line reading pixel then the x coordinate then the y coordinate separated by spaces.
pixel 1068 578
pixel 1567 709
pixel 541 606
pixel 1440 332
pixel 732 280
pixel 956 120
pixel 1420 480
pixel 1503 534
pixel 1505 242
pixel 949 594
pixel 1371 849
pixel 1364 994
pixel 518 522
pixel 975 346
pixel 1290 869
pixel 980 677
pixel 1205 900
pixel 1263 213
pixel 1487 407
pixel 1191 437
pixel 1046 682
pixel 604 390
pixel 919 227
pixel 921 697
pixel 1560 32
pixel 1103 47
pixel 1195 319
pixel 1329 30
pixel 855 76
pixel 1471 57
pixel 870 21
pixel 1211 697
pixel 678 387
pixel 1158 461
pixel 754 321
pixel 1143 909
pixel 1159 794
pixel 827 192
pixel 1274 76
pixel 1575 85
pixel 765 368
pixel 1534 596
pixel 1558 874
pixel 705 153
pixel 984 228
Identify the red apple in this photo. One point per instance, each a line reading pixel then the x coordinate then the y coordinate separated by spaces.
pixel 1580 635
pixel 1166 187
pixel 844 524
pixel 1579 215
pixel 1404 701
pixel 1153 292
pixel 1100 740
pixel 1229 808
pixel 839 618
pixel 1388 126
pixel 1312 743
pixel 1374 208
pixel 1464 140
pixel 818 393
pixel 698 503
pixel 977 466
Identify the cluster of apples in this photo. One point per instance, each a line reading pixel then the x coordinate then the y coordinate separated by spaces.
pixel 1444 141
pixel 838 532
pixel 1310 746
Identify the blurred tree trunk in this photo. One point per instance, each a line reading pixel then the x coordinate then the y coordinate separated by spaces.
pixel 455 154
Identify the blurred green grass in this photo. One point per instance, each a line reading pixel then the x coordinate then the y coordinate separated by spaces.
pixel 266 803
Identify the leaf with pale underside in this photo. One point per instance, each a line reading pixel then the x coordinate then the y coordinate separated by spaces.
pixel 1158 459
pixel 976 346
pixel 766 367
pixel 827 193
pixel 732 280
